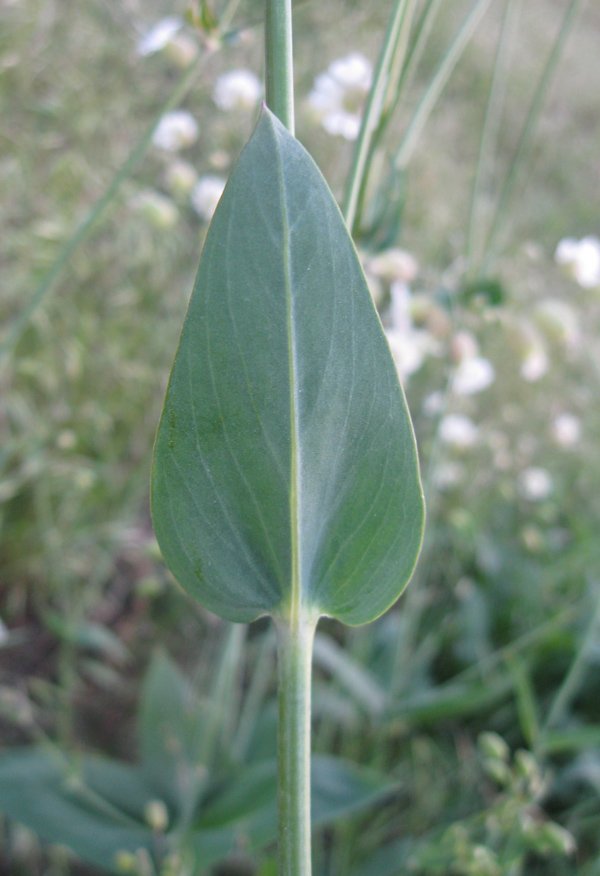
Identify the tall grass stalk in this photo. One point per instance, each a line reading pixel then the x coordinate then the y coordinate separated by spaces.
pixel 401 17
pixel 522 150
pixel 491 126
pixel 438 83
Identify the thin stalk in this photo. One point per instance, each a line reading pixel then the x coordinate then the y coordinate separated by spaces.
pixel 491 124
pixel 533 116
pixel 279 67
pixel 438 83
pixel 294 669
pixel 372 113
pixel 398 61
pixel 423 31
pixel 573 679
pixel 257 692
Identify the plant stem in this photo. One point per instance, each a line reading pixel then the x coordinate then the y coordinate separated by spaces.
pixel 438 82
pixel 279 67
pixel 294 668
pixel 521 153
pixel 491 127
pixel 372 113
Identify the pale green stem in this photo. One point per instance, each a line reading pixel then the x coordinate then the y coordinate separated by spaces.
pixel 528 131
pixel 437 84
pixel 574 677
pixel 423 32
pixel 372 113
pixel 491 125
pixel 294 668
pixel 279 67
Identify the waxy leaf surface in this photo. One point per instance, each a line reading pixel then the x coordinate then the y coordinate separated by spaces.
pixel 285 472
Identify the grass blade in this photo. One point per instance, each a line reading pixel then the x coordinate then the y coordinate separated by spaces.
pixel 438 83
pixel 372 114
pixel 533 116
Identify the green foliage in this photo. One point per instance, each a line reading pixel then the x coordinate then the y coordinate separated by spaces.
pixel 491 636
pixel 285 470
pixel 172 803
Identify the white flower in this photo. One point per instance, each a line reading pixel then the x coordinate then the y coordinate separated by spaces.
pixel 463 345
pixel 409 345
pixel 206 195
pixel 181 177
pixel 535 484
pixel 157 209
pixel 535 364
pixel 566 430
pixel 327 94
pixel 237 90
pixel 582 258
pixel 407 351
pixel 458 431
pixel 473 375
pixel 560 321
pixel 352 72
pixel 400 315
pixel 535 359
pixel 175 131
pixel 394 264
pixel 338 94
pixel 159 36
pixel 341 123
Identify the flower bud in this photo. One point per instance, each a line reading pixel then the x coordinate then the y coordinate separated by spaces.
pixel 493 746
pixel 156 815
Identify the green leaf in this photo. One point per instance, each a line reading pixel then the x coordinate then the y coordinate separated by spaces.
pixel 285 471
pixel 244 812
pixel 62 806
pixel 390 860
pixel 170 723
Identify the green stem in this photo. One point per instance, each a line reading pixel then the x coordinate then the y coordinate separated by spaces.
pixel 279 67
pixel 438 83
pixel 573 679
pixel 491 127
pixel 372 114
pixel 294 667
pixel 533 116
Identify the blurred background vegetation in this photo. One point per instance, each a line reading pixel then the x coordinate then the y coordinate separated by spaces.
pixel 471 712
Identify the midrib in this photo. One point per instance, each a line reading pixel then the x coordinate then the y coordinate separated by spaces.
pixel 295 596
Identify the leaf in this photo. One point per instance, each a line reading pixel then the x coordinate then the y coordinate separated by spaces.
pixel 244 812
pixel 390 860
pixel 62 806
pixel 171 720
pixel 285 468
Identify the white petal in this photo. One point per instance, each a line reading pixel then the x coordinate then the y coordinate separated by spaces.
pixel 535 484
pixel 238 89
pixel 159 36
pixel 473 375
pixel 458 431
pixel 175 131
pixel 206 195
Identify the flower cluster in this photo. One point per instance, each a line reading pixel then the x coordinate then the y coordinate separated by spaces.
pixel 338 95
pixel 582 259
